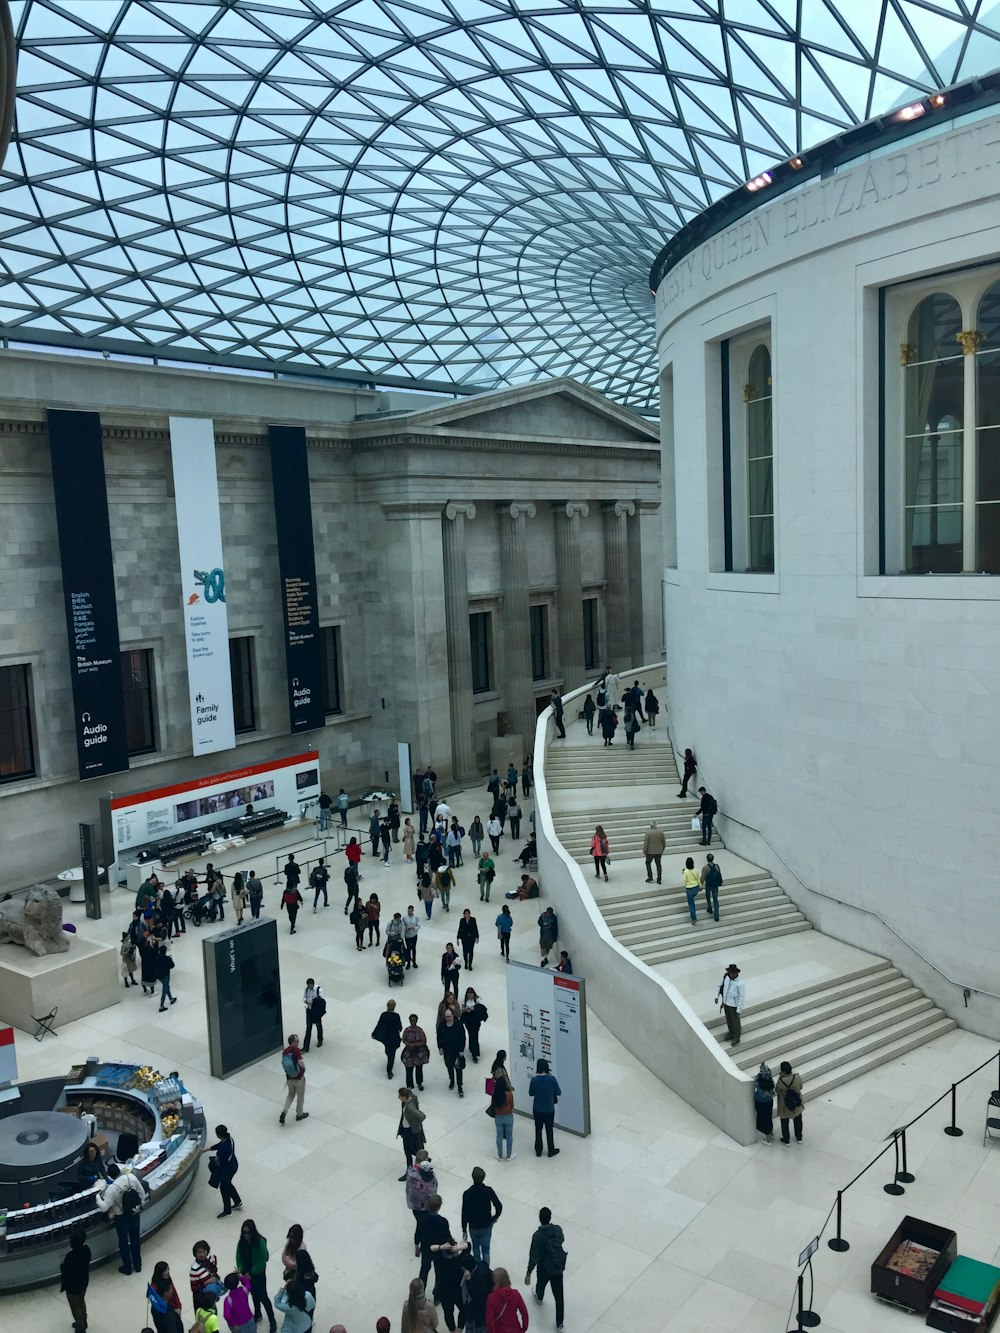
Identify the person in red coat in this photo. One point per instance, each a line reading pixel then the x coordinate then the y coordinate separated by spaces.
pixel 505 1308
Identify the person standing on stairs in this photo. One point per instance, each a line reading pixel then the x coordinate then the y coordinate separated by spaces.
pixel 732 994
pixel 711 881
pixel 789 1089
pixel 707 811
pixel 690 768
pixel 555 700
pixel 654 844
pixel 600 849
pixel 692 883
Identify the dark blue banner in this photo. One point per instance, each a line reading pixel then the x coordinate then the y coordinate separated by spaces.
pixel 88 574
pixel 297 569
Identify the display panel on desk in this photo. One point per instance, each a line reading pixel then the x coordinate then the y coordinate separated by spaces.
pixel 243 994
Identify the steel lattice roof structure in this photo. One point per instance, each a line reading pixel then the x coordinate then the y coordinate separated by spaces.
pixel 457 194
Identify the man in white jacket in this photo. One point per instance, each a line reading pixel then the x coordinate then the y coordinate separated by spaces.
pixel 122 1199
pixel 732 993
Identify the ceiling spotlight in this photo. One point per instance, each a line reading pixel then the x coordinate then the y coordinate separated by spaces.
pixel 912 112
pixel 938 99
pixel 796 163
pixel 759 182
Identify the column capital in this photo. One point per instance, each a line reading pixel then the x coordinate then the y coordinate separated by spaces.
pixel 517 509
pixel 460 509
pixel 620 508
pixel 571 509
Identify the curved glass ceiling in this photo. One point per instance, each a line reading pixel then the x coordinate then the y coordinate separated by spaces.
pixel 464 193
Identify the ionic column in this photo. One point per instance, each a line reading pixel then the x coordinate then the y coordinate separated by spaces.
pixel 569 597
pixel 456 610
pixel 618 599
pixel 515 628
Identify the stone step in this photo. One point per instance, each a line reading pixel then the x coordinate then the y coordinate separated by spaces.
pixel 653 893
pixel 574 781
pixel 676 847
pixel 834 1075
pixel 737 898
pixel 728 931
pixel 750 907
pixel 701 940
pixel 631 830
pixel 829 990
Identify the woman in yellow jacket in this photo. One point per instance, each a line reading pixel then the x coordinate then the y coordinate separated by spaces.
pixel 692 883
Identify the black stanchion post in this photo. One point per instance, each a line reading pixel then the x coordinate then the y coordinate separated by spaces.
pixel 952 1129
pixel 894 1186
pixel 838 1243
pixel 808 1318
pixel 905 1176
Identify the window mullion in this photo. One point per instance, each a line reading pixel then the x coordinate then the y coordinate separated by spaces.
pixel 970 464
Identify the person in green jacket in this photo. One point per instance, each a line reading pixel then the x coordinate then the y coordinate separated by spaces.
pixel 251 1258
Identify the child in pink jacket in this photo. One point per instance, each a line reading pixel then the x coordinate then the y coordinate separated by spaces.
pixel 236 1308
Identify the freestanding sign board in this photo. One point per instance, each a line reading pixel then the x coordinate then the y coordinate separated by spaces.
pixel 91 872
pixel 243 995
pixel 547 1020
pixel 84 530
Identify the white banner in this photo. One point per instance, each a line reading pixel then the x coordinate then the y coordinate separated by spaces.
pixel 203 581
pixel 547 1020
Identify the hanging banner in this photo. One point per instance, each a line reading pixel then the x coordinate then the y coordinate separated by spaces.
pixel 203 584
pixel 297 570
pixel 81 499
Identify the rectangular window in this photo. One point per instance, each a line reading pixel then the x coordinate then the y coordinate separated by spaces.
pixel 747 454
pixel 241 670
pixel 17 746
pixel 481 645
pixel 591 644
pixel 539 617
pixel 330 638
pixel 137 684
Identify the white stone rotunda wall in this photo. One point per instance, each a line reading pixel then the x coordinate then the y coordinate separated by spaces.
pixel 852 719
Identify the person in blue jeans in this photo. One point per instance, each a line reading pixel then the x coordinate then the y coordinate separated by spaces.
pixel 502 1103
pixel 544 1092
pixel 480 1210
pixel 504 924
pixel 692 883
pixel 122 1181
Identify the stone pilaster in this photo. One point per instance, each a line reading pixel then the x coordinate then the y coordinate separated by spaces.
pixel 569 597
pixel 515 628
pixel 616 570
pixel 456 607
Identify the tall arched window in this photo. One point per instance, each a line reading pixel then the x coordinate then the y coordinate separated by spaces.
pixel 760 464
pixel 934 397
pixel 987 534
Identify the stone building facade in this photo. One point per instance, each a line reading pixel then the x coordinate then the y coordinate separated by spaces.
pixel 470 555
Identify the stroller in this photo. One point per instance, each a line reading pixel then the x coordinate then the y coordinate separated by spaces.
pixel 395 967
pixel 205 908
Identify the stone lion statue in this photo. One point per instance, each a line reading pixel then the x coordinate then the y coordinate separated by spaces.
pixel 34 920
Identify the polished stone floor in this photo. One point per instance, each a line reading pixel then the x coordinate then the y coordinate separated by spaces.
pixel 669 1224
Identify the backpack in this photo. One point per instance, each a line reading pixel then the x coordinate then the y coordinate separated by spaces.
pixel 714 877
pixel 553 1256
pixel 289 897
pixel 603 844
pixel 763 1092
pixel 792 1099
pixel 131 1200
pixel 318 1006
pixel 289 1064
pixel 602 697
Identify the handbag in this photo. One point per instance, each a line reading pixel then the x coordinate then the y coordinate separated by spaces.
pixel 491 1111
pixel 213 1173
pixel 491 1084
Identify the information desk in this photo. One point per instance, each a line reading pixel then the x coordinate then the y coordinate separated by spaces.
pixel 133 1114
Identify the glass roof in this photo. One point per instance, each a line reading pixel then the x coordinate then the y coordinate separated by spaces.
pixel 465 193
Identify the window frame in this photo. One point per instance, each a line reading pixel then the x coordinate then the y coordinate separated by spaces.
pixel 591 641
pixel 147 693
pixel 334 632
pixel 538 624
pixel 483 649
pixel 250 674
pixel 27 711
pixel 736 355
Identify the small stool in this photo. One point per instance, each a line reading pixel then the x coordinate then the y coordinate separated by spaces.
pixel 45 1024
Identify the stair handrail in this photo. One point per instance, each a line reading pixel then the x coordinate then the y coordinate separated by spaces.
pixel 966 989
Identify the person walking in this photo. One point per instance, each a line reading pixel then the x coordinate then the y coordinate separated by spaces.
pixel 732 995
pixel 632 725
pixel 692 883
pixel 481 1210
pixel 453 844
pixel 375 831
pixel 468 937
pixel 652 707
pixel 589 710
pixel 548 1256
pixel 294 1069
pixel 504 924
pixel 654 844
pixel 353 851
pixel 474 1015
pixel 385 836
pixel 476 835
pixel 502 1107
pixel 226 1166
pixel 514 815
pixel 388 1031
pixel 495 830
pixel 292 872
pixel 690 768
pixel 707 811
pixel 421 1186
pixel 351 877
pixel 476 1285
pixel 711 879
pixel 251 1262
pixel 255 894
pixel 419 1314
pixel 506 1311
pixel 343 804
pixel 763 1103
pixel 451 1046
pixel 450 968
pixel 409 839
pixel 444 882
pixel 319 877
pixel 789 1089
pixel 395 941
pixel 486 871
pixel 126 951
pixel 426 892
pixel 315 1003
pixel 74 1274
pixel 527 776
pixel 291 901
pixel 164 966
pixel 556 704
pixel 411 1126
pixel 373 909
pixel 607 720
pixel 238 897
pixel 423 811
pixel 359 920
pixel 548 933
pixel 123 1199
pixel 415 1052
pixel 600 849
pixel 411 928
pixel 544 1091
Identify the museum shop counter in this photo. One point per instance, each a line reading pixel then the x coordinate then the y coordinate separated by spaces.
pixel 132 1113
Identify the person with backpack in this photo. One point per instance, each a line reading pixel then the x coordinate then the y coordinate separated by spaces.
pixel 599 850
pixel 224 1169
pixel 711 882
pixel 255 894
pixel 789 1089
pixel 654 844
pixel 318 877
pixel 75 1273
pixel 236 1308
pixel 763 1103
pixel 707 811
pixel 548 1256
pixel 122 1199
pixel 291 901
pixel 315 1003
pixel 294 1069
